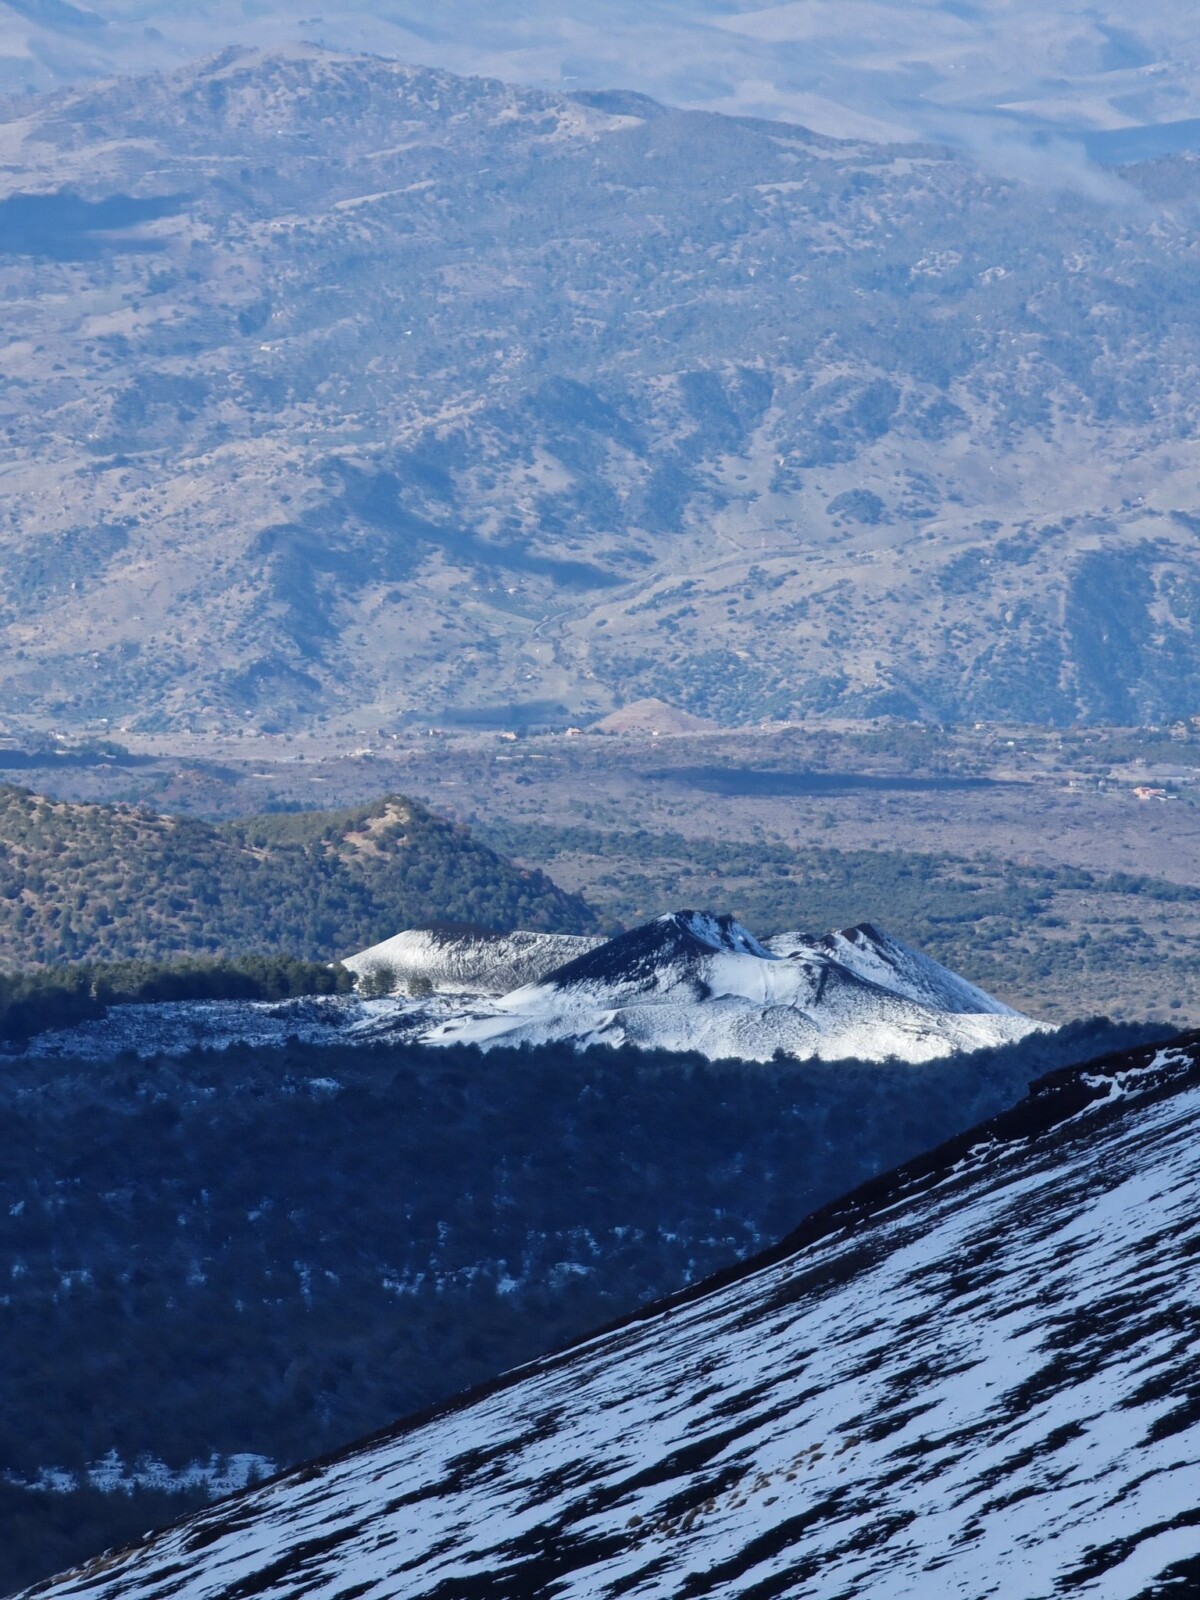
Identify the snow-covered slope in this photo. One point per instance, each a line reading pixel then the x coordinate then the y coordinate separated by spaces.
pixel 687 981
pixel 694 981
pixel 470 963
pixel 175 1027
pixel 885 962
pixel 974 1377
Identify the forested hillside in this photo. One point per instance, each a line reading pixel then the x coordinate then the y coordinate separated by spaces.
pixel 273 1252
pixel 115 883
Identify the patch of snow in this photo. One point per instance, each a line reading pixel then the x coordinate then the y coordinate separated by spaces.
pixel 695 981
pixel 469 963
pixel 984 1386
pixel 220 1475
pixel 176 1027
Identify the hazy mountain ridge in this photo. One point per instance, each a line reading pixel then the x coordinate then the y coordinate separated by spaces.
pixel 996 75
pixel 397 392
pixel 920 1380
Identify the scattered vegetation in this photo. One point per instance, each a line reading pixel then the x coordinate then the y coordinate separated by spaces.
pixel 88 883
pixel 378 980
pixel 933 325
pixel 58 997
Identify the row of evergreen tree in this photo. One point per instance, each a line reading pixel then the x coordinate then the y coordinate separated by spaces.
pixel 59 997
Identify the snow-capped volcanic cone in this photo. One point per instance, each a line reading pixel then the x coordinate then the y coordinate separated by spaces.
pixel 694 981
pixel 885 962
pixel 687 981
pixel 454 961
pixel 973 1377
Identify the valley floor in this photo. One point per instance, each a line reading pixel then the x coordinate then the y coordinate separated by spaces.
pixel 1023 857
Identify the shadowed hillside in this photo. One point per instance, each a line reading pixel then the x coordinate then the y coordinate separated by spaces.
pixel 253 1255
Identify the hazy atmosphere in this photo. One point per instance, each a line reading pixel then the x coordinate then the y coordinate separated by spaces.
pixel 599 800
pixel 987 75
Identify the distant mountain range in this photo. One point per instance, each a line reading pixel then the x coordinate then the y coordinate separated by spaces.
pixel 973 1375
pixel 342 388
pixel 1001 77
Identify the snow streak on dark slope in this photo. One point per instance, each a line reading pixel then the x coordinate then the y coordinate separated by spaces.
pixel 974 1377
pixel 693 980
